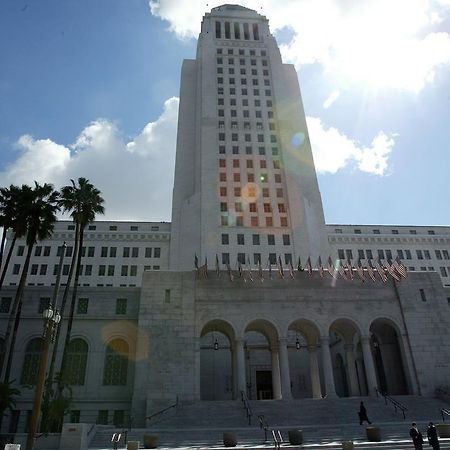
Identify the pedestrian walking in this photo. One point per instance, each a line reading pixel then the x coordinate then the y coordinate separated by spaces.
pixel 363 414
pixel 416 436
pixel 432 436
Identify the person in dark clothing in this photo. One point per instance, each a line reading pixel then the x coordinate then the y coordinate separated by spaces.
pixel 416 436
pixel 432 436
pixel 363 414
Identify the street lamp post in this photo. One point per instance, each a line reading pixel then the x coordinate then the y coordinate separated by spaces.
pixel 52 319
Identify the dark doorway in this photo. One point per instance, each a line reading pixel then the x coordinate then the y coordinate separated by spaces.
pixel 264 385
pixel 380 367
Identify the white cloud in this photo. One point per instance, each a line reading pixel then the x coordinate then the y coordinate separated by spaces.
pixel 331 99
pixel 333 150
pixel 135 177
pixel 384 43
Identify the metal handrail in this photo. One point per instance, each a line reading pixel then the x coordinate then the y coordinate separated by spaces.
pixel 277 438
pixel 264 425
pixel 394 402
pixel 444 412
pixel 162 411
pixel 247 407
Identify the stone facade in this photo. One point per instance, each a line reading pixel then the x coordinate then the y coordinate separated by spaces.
pixel 150 330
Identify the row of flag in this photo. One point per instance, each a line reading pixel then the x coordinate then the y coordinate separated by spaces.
pixel 371 270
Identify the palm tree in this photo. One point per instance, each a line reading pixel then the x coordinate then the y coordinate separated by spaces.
pixel 84 201
pixel 10 208
pixel 38 207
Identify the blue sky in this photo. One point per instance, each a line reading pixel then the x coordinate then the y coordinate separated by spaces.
pixel 89 88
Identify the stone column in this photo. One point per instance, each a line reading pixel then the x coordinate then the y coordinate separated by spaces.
pixel 314 370
pixel 351 370
pixel 327 367
pixel 368 364
pixel 276 379
pixel 240 367
pixel 284 369
pixel 234 370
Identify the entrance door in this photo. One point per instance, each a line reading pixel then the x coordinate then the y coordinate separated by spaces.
pixel 264 384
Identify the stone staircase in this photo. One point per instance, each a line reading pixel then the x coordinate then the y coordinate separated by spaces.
pixel 325 423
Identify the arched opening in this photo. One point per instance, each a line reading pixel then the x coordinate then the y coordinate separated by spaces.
pixel 115 371
pixel 31 361
pixel 258 366
pixel 388 357
pixel 217 381
pixel 344 333
pixel 263 381
pixel 304 370
pixel 75 370
pixel 360 371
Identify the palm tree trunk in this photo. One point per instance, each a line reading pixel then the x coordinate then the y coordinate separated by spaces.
pixel 8 258
pixel 14 316
pixel 51 370
pixel 72 307
pixel 2 245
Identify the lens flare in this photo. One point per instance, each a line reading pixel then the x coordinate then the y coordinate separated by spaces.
pixel 298 139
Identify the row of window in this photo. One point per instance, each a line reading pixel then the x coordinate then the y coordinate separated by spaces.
pixel 71 227
pixel 249 163
pixel 244 258
pixel 247 126
pixel 82 305
pixel 263 178
pixel 387 254
pixel 244 81
pixel 251 207
pixel 102 270
pixel 244 91
pixel 247 137
pixel 241 52
pixel 377 231
pixel 237 30
pixel 248 150
pixel 149 252
pixel 256 239
pixel 243 71
pixel 444 271
pixel 242 61
pixel 254 221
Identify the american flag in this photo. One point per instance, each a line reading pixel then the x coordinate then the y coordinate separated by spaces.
pixel 280 267
pixel 360 271
pixel 390 268
pixel 370 271
pixel 331 268
pixel 320 266
pixel 309 266
pixel 400 267
pixel 380 270
pixel 230 273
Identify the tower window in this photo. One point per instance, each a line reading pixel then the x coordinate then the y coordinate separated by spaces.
pixel 255 32
pixel 246 32
pixel 218 30
pixel 227 30
pixel 237 31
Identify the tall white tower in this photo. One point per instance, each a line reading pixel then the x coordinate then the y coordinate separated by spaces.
pixel 245 183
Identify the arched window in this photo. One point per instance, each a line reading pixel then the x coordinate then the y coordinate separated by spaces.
pixel 116 363
pixel 31 361
pixel 77 354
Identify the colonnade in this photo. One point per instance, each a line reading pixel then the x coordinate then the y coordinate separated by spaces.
pixel 281 379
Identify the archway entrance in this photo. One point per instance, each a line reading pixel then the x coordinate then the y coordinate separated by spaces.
pixel 258 366
pixel 388 358
pixel 216 362
pixel 262 361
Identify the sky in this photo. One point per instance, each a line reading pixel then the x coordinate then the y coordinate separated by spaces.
pixel 90 88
